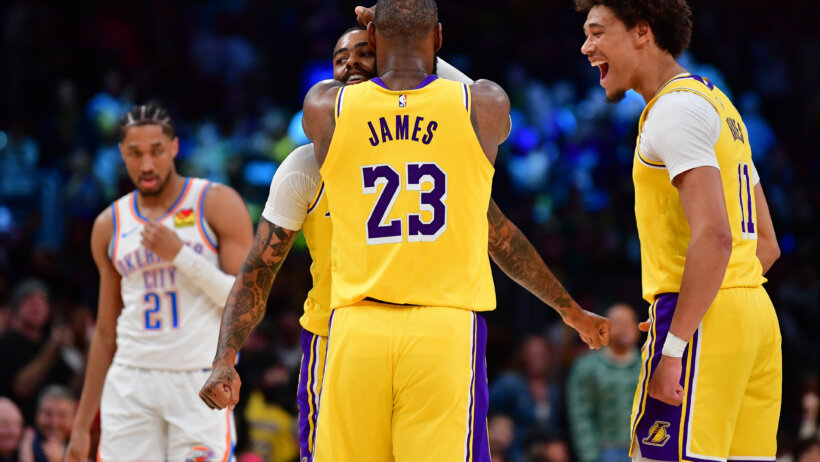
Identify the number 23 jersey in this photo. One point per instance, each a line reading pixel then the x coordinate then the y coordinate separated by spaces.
pixel 408 188
pixel 167 322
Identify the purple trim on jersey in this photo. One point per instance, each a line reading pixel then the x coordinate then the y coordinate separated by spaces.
pixel 304 396
pixel 171 209
pixel 378 81
pixel 466 98
pixel 339 102
pixel 318 197
pixel 481 396
pixel 201 216
pixel 427 80
pixel 114 236
pixel 656 411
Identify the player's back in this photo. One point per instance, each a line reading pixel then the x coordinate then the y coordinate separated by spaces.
pixel 167 322
pixel 408 187
pixel 662 226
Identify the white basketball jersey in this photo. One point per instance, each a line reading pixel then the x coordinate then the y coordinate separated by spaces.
pixel 167 322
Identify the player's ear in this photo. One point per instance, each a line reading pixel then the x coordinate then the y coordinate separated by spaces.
pixel 174 147
pixel 371 35
pixel 438 38
pixel 643 34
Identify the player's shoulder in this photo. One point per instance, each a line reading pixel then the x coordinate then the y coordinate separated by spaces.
pixel 323 91
pixel 489 91
pixel 301 159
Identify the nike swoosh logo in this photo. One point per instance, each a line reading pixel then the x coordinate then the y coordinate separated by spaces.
pixel 327 214
pixel 129 232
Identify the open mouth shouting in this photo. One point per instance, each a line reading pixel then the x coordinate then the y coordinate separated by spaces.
pixel 603 66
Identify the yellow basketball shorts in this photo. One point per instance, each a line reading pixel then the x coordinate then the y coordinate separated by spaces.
pixel 732 376
pixel 314 348
pixel 404 384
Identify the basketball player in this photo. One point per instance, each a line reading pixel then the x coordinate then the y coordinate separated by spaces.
pixel 297 201
pixel 711 380
pixel 407 161
pixel 166 253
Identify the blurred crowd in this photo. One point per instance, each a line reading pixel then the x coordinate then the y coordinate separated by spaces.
pixel 233 73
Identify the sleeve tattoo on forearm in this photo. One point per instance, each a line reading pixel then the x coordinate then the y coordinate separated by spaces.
pixel 246 303
pixel 516 256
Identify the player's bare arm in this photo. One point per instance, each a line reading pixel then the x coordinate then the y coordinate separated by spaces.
pixel 768 251
pixel 104 345
pixel 517 257
pixel 490 115
pixel 228 216
pixel 710 246
pixel 244 310
pixel 318 120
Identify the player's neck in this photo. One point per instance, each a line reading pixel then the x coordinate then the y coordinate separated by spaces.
pixel 155 205
pixel 404 69
pixel 656 75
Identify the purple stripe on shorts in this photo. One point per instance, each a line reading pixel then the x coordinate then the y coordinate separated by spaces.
pixel 695 345
pixel 658 429
pixel 303 393
pixel 650 344
pixel 481 444
pixel 470 411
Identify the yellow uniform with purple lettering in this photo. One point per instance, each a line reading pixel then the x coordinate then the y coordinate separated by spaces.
pixel 317 229
pixel 732 367
pixel 408 187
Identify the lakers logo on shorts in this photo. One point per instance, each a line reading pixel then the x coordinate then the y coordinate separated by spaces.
pixel 657 434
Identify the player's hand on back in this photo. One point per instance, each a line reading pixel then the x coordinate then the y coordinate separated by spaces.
pixel 365 15
pixel 78 447
pixel 161 240
pixel 221 390
pixel 593 329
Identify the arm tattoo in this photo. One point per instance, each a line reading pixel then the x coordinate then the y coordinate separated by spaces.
pixel 516 256
pixel 246 303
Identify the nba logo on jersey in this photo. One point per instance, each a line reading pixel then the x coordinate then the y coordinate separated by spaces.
pixel 657 434
pixel 199 454
pixel 402 100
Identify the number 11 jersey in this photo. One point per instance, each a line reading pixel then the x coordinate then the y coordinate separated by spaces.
pixel 408 188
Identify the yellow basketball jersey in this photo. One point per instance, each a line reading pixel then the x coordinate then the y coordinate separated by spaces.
pixel 662 226
pixel 318 229
pixel 408 188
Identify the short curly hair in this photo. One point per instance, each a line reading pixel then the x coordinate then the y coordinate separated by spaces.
pixel 670 20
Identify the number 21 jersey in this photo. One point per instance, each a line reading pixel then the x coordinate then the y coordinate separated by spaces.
pixel 408 189
pixel 167 322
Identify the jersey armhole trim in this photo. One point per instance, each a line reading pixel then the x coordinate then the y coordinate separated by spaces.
pixel 200 219
pixel 319 192
pixel 648 163
pixel 468 99
pixel 112 246
pixel 340 97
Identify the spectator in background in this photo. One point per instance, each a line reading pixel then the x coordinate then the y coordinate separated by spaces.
pixel 528 394
pixel 11 429
pixel 807 451
pixel 545 447
pixel 811 406
pixel 600 390
pixel 30 356
pixel 501 431
pixel 55 412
